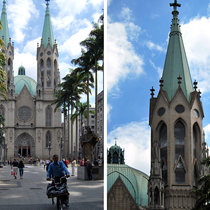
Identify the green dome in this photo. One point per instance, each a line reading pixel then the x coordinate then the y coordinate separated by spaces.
pixel 135 181
pixel 21 80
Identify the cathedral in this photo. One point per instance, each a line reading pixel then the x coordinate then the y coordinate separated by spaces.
pixel 32 127
pixel 177 139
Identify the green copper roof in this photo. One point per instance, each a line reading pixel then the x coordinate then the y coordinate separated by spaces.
pixel 21 71
pixel 135 181
pixel 176 61
pixel 47 33
pixel 4 33
pixel 21 80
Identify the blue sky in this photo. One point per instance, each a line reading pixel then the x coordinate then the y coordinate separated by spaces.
pixel 71 20
pixel 136 47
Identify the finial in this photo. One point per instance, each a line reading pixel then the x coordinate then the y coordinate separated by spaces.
pixel 179 79
pixel 161 82
pixel 175 5
pixel 47 2
pixel 195 85
pixel 152 92
pixel 199 92
pixel 115 141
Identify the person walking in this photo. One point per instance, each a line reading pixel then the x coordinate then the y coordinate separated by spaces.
pixel 15 168
pixel 73 163
pixel 89 169
pixel 21 166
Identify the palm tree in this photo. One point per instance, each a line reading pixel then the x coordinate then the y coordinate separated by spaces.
pixel 83 69
pixel 95 46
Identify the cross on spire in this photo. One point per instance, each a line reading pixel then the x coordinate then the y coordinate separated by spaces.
pixel 175 5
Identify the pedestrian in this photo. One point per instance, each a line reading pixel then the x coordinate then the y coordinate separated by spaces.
pixel 73 163
pixel 89 169
pixel 21 166
pixel 15 168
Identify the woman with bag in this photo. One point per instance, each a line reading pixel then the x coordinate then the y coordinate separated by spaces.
pixel 15 168
pixel 21 166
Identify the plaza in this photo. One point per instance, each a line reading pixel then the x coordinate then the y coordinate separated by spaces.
pixel 29 193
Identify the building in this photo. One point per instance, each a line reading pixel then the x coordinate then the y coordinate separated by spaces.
pixel 176 116
pixel 126 186
pixel 32 127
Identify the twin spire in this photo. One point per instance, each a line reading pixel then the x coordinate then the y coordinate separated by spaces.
pixel 47 33
pixel 176 64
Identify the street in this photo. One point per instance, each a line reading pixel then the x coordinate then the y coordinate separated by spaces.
pixel 29 193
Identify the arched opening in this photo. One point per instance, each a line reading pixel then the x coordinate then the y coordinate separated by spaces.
pixel 49 116
pixel 179 138
pixel 55 73
pixel 195 176
pixel 8 71
pixel 42 72
pixel 180 173
pixel 115 157
pixel 163 150
pixel 48 72
pixel 156 196
pixel 196 137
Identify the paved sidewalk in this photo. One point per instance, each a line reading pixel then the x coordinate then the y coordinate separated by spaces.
pixel 29 193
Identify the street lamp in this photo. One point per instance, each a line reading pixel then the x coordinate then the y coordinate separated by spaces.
pixel 49 148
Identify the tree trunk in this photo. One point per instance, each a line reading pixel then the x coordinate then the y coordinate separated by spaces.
pixel 76 154
pixel 88 107
pixel 68 133
pixel 96 98
pixel 72 140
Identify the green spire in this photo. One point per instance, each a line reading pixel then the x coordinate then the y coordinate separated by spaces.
pixel 47 33
pixel 4 33
pixel 176 70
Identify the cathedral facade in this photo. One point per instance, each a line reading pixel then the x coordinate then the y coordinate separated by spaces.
pixel 32 126
pixel 176 121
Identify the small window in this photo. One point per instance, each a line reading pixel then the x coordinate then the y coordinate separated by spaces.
pixel 179 108
pixel 161 111
pixel 196 113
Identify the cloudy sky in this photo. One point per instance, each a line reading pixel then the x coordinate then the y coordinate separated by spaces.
pixel 136 48
pixel 71 21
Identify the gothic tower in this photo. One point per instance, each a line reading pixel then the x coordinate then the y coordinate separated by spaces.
pixel 9 51
pixel 175 119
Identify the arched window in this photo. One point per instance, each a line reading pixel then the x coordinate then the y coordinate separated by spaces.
pixel 55 73
pixel 115 157
pixel 195 176
pixel 48 139
pixel 196 137
pixel 156 196
pixel 163 151
pixel 179 137
pixel 48 115
pixel 42 72
pixel 8 71
pixel 48 72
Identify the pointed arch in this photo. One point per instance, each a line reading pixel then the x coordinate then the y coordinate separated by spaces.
pixel 180 171
pixel 48 72
pixel 162 133
pixel 48 139
pixel 195 175
pixel 9 69
pixel 156 196
pixel 55 73
pixel 179 138
pixel 42 72
pixel 196 138
pixel 48 114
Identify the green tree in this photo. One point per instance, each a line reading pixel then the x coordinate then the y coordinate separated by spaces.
pixel 203 192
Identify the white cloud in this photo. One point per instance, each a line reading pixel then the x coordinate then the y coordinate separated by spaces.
pixel 109 2
pixel 126 14
pixel 135 139
pixel 28 60
pixel 109 108
pixel 122 59
pixel 96 2
pixel 153 46
pixel 72 45
pixel 197 45
pixel 20 12
pixel 207 134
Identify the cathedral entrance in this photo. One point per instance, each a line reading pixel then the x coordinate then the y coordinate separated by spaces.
pixel 24 146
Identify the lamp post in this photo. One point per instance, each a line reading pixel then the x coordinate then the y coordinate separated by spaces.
pixel 49 148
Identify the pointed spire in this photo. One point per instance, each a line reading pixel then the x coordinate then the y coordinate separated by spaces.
pixel 176 63
pixel 47 33
pixel 4 33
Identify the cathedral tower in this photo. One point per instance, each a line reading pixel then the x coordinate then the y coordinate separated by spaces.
pixel 9 51
pixel 175 119
pixel 48 76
